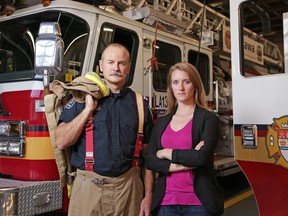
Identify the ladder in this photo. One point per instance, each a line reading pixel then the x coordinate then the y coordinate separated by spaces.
pixel 193 19
pixel 187 17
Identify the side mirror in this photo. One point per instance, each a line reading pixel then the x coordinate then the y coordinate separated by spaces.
pixel 49 53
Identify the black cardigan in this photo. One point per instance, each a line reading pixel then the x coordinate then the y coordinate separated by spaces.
pixel 205 128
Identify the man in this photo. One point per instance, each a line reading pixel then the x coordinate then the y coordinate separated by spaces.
pixel 114 187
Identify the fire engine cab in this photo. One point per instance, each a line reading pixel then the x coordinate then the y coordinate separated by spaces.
pixel 260 104
pixel 158 34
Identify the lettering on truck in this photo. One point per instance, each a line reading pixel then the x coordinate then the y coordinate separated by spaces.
pixel 160 101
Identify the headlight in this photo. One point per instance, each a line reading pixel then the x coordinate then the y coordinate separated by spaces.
pixel 3 147
pixel 4 127
pixel 12 138
pixel 12 128
pixel 12 147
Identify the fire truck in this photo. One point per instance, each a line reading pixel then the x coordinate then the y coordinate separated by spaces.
pixel 260 107
pixel 42 40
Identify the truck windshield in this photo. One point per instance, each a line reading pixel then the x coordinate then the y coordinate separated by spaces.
pixel 17 44
pixel 262 45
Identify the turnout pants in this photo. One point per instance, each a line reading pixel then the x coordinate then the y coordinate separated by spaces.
pixel 97 195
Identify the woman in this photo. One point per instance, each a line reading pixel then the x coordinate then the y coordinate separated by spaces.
pixel 181 150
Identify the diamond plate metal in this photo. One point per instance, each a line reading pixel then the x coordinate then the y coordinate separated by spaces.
pixel 35 197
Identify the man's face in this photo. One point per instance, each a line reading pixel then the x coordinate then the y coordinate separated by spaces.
pixel 115 65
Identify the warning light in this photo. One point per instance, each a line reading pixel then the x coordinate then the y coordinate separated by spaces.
pixel 46 3
pixel 9 9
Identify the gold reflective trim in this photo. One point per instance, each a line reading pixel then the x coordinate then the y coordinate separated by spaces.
pixel 38 148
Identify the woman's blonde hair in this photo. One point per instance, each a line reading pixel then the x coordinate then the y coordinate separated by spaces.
pixel 194 77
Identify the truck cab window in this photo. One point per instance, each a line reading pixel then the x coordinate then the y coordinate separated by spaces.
pixel 17 44
pixel 115 34
pixel 261 54
pixel 166 55
pixel 202 65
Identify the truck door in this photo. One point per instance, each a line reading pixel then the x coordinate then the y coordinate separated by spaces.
pixel 260 109
pixel 166 52
pixel 224 162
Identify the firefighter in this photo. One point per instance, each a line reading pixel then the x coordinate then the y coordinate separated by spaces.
pixel 114 186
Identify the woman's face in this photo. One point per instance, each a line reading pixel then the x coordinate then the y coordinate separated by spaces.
pixel 182 87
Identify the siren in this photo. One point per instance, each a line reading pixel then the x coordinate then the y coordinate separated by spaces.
pixel 46 3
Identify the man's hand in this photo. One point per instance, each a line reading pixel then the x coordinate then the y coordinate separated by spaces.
pixel 90 103
pixel 145 205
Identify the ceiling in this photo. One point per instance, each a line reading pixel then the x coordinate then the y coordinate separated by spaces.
pixel 260 16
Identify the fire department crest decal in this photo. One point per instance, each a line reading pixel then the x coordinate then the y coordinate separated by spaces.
pixel 277 141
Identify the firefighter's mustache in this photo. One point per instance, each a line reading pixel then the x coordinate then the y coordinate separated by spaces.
pixel 116 74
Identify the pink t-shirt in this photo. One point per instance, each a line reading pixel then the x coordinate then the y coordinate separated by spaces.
pixel 179 185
